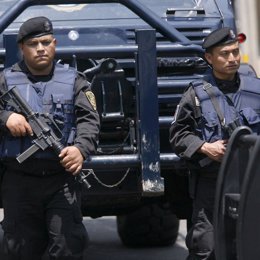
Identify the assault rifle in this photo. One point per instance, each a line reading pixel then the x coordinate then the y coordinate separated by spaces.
pixel 45 135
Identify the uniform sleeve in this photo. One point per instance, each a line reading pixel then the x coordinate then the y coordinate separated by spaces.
pixel 183 135
pixel 87 118
pixel 3 113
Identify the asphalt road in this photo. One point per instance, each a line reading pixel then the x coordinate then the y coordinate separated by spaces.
pixel 105 244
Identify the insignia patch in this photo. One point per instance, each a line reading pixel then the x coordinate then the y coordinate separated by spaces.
pixel 197 102
pixel 232 34
pixel 91 98
pixel 47 26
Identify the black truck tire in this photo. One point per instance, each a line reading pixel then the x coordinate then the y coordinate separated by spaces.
pixel 150 225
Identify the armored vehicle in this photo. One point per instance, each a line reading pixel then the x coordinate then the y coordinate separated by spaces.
pixel 139 56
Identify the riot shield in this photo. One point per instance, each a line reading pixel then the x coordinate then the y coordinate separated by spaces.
pixel 236 198
pixel 248 228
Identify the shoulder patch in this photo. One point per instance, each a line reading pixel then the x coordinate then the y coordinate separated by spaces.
pixel 91 98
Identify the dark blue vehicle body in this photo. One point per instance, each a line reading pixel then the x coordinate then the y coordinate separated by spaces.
pixel 157 47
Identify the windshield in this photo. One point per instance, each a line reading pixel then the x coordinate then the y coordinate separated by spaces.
pixel 5 4
pixel 181 8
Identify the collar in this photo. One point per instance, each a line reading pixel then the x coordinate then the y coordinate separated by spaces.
pixel 228 86
pixel 21 67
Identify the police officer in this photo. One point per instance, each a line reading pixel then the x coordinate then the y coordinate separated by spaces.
pixel 207 114
pixel 41 198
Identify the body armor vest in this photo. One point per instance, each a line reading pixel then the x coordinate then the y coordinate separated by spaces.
pixel 54 97
pixel 240 108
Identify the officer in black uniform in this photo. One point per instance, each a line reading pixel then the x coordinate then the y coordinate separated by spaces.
pixel 204 119
pixel 41 197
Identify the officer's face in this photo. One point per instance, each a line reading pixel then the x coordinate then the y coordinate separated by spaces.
pixel 38 54
pixel 225 60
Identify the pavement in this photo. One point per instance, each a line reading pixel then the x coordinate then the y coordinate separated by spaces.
pixel 105 243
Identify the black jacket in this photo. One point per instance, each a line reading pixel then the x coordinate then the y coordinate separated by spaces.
pixel 87 118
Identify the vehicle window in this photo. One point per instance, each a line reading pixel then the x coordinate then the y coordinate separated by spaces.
pixel 159 7
pixel 5 4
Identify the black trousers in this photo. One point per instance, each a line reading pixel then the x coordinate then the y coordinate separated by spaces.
pixel 42 213
pixel 200 237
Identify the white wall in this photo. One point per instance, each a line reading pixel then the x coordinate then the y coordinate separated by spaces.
pixel 247 13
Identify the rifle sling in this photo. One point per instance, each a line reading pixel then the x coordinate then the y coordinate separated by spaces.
pixel 208 88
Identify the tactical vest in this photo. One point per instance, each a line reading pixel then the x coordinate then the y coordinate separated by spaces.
pixel 240 108
pixel 54 97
